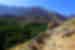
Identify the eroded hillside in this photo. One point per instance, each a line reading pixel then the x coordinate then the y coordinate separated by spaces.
pixel 40 42
pixel 62 38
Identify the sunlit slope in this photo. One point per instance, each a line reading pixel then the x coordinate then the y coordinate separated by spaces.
pixel 63 37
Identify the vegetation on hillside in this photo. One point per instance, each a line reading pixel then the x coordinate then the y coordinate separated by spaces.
pixel 12 33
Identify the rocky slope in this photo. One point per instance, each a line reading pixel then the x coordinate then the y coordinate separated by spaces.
pixel 39 41
pixel 62 38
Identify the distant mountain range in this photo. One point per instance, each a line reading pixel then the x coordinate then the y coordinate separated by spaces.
pixel 20 11
pixel 28 12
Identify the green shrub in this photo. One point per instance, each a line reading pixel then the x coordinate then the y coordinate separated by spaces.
pixel 16 33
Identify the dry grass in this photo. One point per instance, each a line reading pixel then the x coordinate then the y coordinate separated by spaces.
pixel 62 38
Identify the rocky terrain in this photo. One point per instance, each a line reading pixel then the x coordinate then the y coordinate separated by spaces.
pixel 61 37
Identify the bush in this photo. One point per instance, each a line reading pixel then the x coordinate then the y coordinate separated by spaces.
pixel 14 33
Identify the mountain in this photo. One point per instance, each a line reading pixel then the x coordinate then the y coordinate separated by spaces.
pixel 20 11
pixel 29 13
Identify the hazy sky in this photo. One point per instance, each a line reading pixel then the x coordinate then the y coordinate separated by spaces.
pixel 63 6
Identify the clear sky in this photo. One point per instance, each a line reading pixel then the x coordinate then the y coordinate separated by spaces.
pixel 63 6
